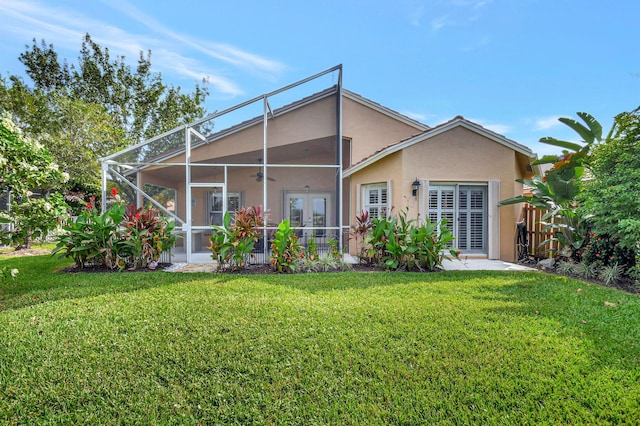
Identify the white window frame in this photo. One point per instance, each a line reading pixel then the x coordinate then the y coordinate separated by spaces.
pixel 491 217
pixel 230 204
pixel 381 206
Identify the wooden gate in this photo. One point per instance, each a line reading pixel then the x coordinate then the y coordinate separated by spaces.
pixel 531 216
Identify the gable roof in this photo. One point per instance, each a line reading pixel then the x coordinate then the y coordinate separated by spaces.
pixel 458 121
pixel 384 110
pixel 238 127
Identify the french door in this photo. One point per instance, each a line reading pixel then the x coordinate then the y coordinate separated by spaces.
pixel 309 211
pixel 465 209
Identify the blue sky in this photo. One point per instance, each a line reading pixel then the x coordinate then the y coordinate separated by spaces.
pixel 513 66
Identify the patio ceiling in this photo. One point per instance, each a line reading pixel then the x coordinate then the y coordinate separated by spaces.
pixel 307 152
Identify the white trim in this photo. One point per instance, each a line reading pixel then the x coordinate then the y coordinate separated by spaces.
pixel 423 200
pixel 389 197
pixel 493 223
pixel 365 190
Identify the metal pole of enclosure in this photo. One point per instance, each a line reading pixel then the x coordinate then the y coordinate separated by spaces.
pixel 265 161
pixel 105 168
pixel 187 201
pixel 339 178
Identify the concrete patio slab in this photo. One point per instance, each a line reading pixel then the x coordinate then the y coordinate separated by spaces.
pixel 483 265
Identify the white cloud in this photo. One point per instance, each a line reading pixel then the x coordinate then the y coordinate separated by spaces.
pixel 546 123
pixel 219 51
pixel 415 115
pixel 501 129
pixel 441 22
pixel 172 51
pixel 416 13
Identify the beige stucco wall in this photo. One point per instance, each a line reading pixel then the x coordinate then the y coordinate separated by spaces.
pixel 311 122
pixel 456 156
pixel 370 130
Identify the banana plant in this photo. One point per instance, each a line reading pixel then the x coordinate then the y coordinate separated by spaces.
pixel 557 191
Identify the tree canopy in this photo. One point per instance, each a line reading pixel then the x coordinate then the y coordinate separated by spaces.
pixel 141 104
pixel 25 167
pixel 83 111
pixel 612 194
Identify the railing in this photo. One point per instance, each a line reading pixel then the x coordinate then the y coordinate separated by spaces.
pixel 259 256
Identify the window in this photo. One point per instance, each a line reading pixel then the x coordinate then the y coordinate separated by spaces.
pixel 465 209
pixel 234 203
pixel 376 200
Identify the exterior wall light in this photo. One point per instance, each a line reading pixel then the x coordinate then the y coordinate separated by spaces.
pixel 415 186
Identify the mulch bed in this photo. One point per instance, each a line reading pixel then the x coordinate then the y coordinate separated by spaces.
pixel 627 285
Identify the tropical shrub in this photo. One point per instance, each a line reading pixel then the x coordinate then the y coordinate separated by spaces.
pixel 603 250
pixel 27 168
pixel 118 238
pixel 611 273
pixel 612 194
pixel 359 233
pixel 400 244
pixel 286 251
pixel 234 240
pixel 558 191
pixel 312 248
pixel 145 235
pixel 35 218
pixel 92 239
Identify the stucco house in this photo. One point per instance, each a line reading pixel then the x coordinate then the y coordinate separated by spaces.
pixel 318 160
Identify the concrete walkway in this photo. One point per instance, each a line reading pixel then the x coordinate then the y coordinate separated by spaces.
pixel 483 265
pixel 449 265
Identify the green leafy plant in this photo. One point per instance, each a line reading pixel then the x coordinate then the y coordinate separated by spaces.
pixel 146 234
pixel 286 251
pixel 558 191
pixel 359 233
pixel 7 273
pixel 566 267
pixel 399 244
pixel 611 273
pixel 35 218
pixel 604 250
pixel 232 242
pixel 312 248
pixel 117 238
pixel 308 264
pixel 612 194
pixel 334 248
pixel 586 270
pixel 93 239
pixel 327 262
pixel 27 168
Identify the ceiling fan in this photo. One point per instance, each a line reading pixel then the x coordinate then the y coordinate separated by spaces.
pixel 259 175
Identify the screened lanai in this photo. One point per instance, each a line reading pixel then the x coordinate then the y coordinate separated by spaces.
pixel 283 151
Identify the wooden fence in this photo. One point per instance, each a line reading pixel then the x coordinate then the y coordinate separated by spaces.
pixel 531 216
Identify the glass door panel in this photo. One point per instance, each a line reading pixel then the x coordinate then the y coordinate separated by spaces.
pixel 310 211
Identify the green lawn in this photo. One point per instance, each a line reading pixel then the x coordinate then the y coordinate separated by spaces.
pixel 336 348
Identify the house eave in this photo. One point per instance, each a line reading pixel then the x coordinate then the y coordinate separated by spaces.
pixel 384 110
